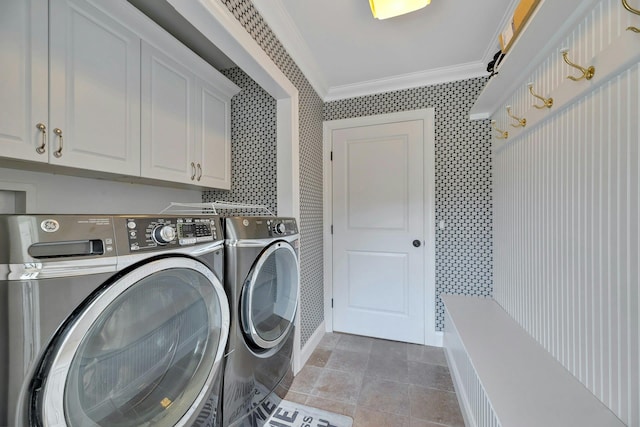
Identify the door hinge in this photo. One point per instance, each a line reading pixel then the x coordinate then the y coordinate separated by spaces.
pixel 331 302
pixel 332 156
pixel 331 228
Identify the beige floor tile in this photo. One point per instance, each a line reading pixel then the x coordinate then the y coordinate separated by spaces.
pixel 385 396
pixel 337 385
pixel 426 354
pixel 416 422
pixel 306 379
pixel 319 357
pixel 329 340
pixel 294 396
pixel 391 349
pixel 379 383
pixel 432 376
pixel 435 405
pixel 348 361
pixel 355 343
pixel 389 368
pixel 366 417
pixel 331 405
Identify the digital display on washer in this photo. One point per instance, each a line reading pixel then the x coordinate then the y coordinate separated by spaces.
pixel 196 230
pixel 152 233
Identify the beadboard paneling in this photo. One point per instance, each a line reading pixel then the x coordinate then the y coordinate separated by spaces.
pixel 566 236
pixel 566 213
pixel 474 397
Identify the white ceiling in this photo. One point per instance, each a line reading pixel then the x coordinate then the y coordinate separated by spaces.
pixel 345 52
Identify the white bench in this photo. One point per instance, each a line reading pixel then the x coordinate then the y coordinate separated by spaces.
pixel 503 377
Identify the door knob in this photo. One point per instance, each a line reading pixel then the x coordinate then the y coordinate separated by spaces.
pixel 417 243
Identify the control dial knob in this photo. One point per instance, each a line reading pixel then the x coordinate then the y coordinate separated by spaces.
pixel 163 234
pixel 279 228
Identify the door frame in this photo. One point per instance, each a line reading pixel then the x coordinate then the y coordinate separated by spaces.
pixel 432 337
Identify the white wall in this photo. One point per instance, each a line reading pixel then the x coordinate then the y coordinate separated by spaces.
pixel 49 193
pixel 566 240
pixel 567 207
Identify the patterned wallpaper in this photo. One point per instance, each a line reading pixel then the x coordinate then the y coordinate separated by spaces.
pixel 253 147
pixel 463 174
pixel 310 129
pixel 464 255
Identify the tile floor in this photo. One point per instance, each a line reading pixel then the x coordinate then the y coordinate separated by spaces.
pixel 379 383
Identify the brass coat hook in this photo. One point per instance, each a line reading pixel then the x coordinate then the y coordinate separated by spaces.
pixel 548 102
pixel 587 73
pixel 503 133
pixel 634 11
pixel 522 122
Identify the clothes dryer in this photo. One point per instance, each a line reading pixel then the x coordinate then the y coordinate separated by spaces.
pixel 262 280
pixel 110 320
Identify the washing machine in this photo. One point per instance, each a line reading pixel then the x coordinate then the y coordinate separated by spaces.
pixel 111 320
pixel 262 280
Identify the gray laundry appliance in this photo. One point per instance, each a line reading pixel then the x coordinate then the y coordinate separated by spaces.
pixel 111 320
pixel 262 280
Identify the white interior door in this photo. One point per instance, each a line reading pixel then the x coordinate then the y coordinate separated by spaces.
pixel 379 230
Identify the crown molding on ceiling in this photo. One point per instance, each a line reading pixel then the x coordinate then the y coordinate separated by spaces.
pixel 278 19
pixel 408 81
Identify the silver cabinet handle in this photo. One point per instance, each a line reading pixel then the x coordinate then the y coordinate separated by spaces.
pixel 58 152
pixel 199 172
pixel 42 148
pixel 193 171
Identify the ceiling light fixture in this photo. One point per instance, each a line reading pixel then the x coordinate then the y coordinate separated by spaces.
pixel 383 9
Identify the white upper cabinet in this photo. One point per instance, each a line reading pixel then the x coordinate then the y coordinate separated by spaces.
pixel 186 118
pixel 97 87
pixel 94 72
pixel 23 85
pixel 213 136
pixel 70 88
pixel 168 100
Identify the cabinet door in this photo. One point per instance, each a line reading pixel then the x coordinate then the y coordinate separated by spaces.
pixel 167 118
pixel 94 69
pixel 23 85
pixel 213 139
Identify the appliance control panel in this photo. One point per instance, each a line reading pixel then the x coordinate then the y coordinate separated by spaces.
pixel 282 227
pixel 254 227
pixel 166 232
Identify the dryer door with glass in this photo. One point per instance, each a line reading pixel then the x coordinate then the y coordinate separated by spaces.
pixel 270 296
pixel 142 351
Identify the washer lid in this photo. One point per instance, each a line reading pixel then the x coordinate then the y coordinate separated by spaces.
pixel 143 351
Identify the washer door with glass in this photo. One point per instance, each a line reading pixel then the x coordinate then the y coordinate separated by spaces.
pixel 270 296
pixel 143 352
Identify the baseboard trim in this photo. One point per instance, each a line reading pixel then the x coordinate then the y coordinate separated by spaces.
pixel 309 347
pixel 436 339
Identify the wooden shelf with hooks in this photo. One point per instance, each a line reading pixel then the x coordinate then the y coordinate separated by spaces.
pixel 548 24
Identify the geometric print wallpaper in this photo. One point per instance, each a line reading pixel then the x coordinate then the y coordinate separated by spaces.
pixel 464 248
pixel 253 147
pixel 310 152
pixel 464 259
